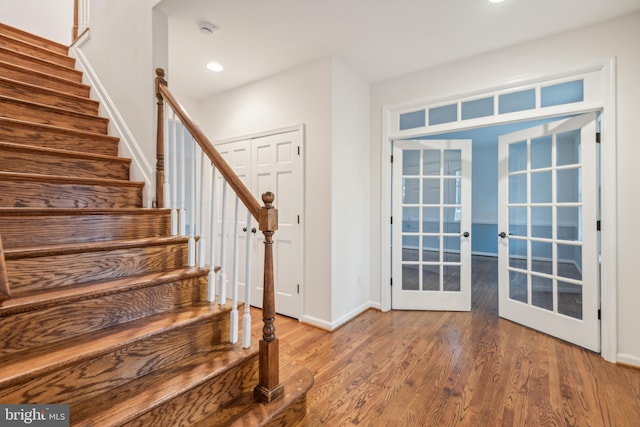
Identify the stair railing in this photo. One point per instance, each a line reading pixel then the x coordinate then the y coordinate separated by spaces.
pixel 199 186
pixel 5 294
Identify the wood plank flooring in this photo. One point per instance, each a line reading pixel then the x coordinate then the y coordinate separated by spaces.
pixel 415 368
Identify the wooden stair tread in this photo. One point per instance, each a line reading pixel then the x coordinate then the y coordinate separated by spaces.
pixel 10 146
pixel 33 38
pixel 82 211
pixel 125 403
pixel 53 108
pixel 9 121
pixel 53 297
pixel 35 75
pixel 61 179
pixel 21 45
pixel 52 92
pixel 71 248
pixel 41 62
pixel 19 367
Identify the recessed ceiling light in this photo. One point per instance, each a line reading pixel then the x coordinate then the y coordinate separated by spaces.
pixel 214 66
pixel 496 1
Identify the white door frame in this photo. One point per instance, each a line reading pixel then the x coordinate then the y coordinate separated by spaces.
pixel 606 70
pixel 301 129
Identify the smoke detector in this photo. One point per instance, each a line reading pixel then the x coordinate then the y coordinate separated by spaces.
pixel 207 28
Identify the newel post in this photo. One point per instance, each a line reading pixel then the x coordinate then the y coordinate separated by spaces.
pixel 269 387
pixel 160 139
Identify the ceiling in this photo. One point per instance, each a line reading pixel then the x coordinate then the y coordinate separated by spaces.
pixel 379 39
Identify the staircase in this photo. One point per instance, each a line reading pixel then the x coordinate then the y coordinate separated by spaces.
pixel 104 313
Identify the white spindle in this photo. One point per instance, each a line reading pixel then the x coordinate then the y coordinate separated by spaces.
pixel 212 236
pixel 202 261
pixel 223 246
pixel 192 206
pixel 166 189
pixel 172 160
pixel 182 215
pixel 234 289
pixel 246 318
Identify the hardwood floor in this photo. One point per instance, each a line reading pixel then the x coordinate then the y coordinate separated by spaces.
pixel 415 368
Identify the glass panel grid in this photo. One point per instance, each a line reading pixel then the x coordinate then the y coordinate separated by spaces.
pixel 545 263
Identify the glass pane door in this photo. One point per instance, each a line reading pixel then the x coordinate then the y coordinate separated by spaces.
pixel 548 253
pixel 431 252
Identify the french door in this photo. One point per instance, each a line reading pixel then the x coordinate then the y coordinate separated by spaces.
pixel 431 225
pixel 548 239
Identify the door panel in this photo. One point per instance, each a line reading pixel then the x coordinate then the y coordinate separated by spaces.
pixel 548 253
pixel 431 253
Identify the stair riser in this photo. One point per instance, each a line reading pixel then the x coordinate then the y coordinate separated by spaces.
pixel 33 39
pixel 40 65
pixel 28 275
pixel 45 80
pixel 203 401
pixel 126 362
pixel 58 138
pixel 27 330
pixel 42 96
pixel 20 110
pixel 25 231
pixel 36 51
pixel 58 164
pixel 18 193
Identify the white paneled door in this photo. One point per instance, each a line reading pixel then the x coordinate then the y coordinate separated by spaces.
pixel 431 225
pixel 548 238
pixel 274 163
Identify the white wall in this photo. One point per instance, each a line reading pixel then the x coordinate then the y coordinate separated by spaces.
pixel 302 95
pixel 350 194
pixel 546 56
pixel 51 19
pixel 121 51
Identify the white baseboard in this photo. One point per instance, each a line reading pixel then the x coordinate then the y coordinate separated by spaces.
pixel 331 326
pixel 628 359
pixel 141 169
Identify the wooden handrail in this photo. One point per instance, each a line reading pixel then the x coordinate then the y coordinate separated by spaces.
pixel 269 387
pixel 218 161
pixel 5 294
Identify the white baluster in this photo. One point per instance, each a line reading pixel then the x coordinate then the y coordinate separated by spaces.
pixel 246 318
pixel 182 215
pixel 166 187
pixel 202 251
pixel 234 289
pixel 212 236
pixel 192 206
pixel 172 160
pixel 223 247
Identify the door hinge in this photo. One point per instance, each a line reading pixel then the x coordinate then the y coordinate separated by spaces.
pixel 598 225
pixel 298 219
pixel 598 137
pixel 392 158
pixel 391 281
pixel 391 220
pixel 298 287
pixel 298 150
pixel 599 314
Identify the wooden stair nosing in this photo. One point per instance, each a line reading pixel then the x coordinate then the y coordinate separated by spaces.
pixel 33 38
pixel 24 46
pixel 18 368
pixel 34 63
pixel 101 288
pixel 126 403
pixel 80 104
pixel 101 246
pixel 52 115
pixel 10 146
pixel 63 135
pixel 35 77
pixel 61 179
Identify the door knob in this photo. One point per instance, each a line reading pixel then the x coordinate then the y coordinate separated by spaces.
pixel 465 234
pixel 502 235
